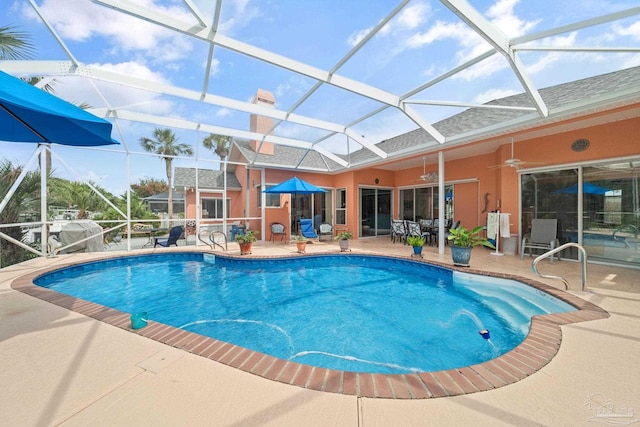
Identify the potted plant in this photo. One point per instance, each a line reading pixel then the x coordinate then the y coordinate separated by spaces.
pixel 343 238
pixel 463 240
pixel 245 241
pixel 417 242
pixel 301 243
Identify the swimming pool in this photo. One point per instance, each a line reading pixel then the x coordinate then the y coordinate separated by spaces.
pixel 344 312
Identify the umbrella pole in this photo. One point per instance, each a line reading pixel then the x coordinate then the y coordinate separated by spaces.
pixel 44 238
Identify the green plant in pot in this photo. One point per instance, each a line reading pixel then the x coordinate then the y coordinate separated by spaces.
pixel 463 240
pixel 246 240
pixel 343 238
pixel 301 243
pixel 417 242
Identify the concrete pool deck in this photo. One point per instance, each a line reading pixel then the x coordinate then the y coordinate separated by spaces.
pixel 62 368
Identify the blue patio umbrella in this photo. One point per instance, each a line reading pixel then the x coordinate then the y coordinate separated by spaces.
pixel 29 114
pixel 295 186
pixel 587 188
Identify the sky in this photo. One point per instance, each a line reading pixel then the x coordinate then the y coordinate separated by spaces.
pixel 421 42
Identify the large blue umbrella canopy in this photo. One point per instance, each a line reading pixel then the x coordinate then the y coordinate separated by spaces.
pixel 587 188
pixel 29 114
pixel 295 186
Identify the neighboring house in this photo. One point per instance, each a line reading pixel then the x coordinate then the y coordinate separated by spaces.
pixel 211 191
pixel 520 166
pixel 159 203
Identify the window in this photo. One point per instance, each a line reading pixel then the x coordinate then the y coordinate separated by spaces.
pixel 341 206
pixel 271 200
pixel 212 207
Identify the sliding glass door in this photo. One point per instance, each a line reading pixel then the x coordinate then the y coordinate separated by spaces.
pixel 602 214
pixel 375 212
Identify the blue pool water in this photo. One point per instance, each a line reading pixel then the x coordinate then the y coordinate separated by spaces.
pixel 347 312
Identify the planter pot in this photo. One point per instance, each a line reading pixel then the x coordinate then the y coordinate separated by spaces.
pixel 302 246
pixel 461 255
pixel 417 250
pixel 245 248
pixel 344 245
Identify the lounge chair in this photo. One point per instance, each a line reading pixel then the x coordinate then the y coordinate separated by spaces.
pixel 236 230
pixel 278 229
pixel 172 240
pixel 306 229
pixel 543 236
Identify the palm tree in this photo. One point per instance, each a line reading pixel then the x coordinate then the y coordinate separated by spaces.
pixel 77 195
pixel 219 143
pixel 14 44
pixel 166 145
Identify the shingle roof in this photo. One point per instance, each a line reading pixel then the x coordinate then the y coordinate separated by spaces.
pixel 586 94
pixel 583 95
pixel 287 158
pixel 207 179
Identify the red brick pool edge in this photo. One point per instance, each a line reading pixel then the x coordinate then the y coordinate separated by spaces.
pixel 538 348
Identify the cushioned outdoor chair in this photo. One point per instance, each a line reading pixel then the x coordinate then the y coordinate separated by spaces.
pixel 278 229
pixel 543 236
pixel 398 231
pixel 414 229
pixel 325 230
pixel 172 240
pixel 306 229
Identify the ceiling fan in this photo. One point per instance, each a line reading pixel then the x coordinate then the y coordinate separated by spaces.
pixel 513 161
pixel 427 176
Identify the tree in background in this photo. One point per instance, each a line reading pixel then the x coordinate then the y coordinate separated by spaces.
pixel 25 198
pixel 219 144
pixel 76 195
pixel 148 187
pixel 166 145
pixel 14 44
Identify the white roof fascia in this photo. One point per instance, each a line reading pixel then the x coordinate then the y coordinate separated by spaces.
pixel 501 42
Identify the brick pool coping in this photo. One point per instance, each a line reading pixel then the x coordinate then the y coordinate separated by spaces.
pixel 538 348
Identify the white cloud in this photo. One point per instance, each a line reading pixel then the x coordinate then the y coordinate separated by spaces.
pixel 409 18
pixel 294 86
pixel 224 112
pixel 413 16
pixel 356 37
pixel 79 21
pixel 242 14
pixel 632 30
pixel 502 15
pixel 440 31
pixel 492 94
pixel 133 69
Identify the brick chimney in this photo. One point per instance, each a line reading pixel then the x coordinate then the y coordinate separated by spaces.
pixel 262 124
